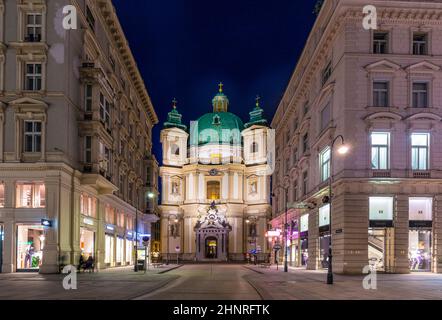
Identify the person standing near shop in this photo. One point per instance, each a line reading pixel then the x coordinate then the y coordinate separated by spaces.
pixel 28 256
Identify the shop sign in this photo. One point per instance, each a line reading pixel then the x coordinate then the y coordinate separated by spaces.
pixel 381 224
pixel 88 221
pixel 273 233
pixel 421 224
pixel 46 223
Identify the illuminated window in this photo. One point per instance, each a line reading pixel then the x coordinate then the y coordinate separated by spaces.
pixel 380 145
pixel 381 208
pixel 109 214
pixel 420 146
pixel 420 209
pixel 324 160
pixel 30 195
pixel 88 205
pixel 213 190
pixel 324 215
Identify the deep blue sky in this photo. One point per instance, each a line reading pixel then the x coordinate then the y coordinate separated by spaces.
pixel 184 48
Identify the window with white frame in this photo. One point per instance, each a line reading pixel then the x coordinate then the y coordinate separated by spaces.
pixel 88 98
pixel 2 195
pixel 380 150
pixel 380 94
pixel 33 76
pixel 105 115
pixel 420 95
pixel 105 158
pixel 34 27
pixel 420 43
pixel 324 163
pixel 88 205
pixel 380 42
pixel 88 149
pixel 32 136
pixel 30 195
pixel 420 147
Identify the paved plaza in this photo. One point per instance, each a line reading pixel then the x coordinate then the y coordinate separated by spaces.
pixel 218 282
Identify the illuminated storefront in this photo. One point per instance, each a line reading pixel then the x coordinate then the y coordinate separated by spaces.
pixel 381 233
pixel 119 251
pixel 109 256
pixel 30 245
pixel 87 243
pixel 304 239
pixel 420 234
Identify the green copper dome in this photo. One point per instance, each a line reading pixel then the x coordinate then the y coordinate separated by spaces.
pixel 217 128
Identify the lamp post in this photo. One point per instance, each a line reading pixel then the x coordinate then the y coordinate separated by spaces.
pixel 286 191
pixel 343 149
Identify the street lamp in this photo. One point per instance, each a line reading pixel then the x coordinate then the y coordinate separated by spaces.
pixel 286 190
pixel 343 149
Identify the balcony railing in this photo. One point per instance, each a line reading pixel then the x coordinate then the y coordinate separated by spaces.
pixel 422 174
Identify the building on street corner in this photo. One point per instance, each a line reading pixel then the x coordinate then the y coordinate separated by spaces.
pixel 75 139
pixel 215 201
pixel 380 90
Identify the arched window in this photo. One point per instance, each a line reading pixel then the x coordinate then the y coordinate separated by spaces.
pixel 175 150
pixel 254 148
pixel 213 190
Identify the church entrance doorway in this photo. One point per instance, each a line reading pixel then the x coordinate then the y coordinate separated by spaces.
pixel 211 248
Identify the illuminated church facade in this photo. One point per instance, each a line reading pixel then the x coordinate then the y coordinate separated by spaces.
pixel 215 199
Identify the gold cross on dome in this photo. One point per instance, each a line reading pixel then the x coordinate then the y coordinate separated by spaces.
pixel 221 85
pixel 174 103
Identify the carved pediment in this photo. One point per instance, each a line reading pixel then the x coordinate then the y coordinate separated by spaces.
pixel 425 116
pixel 27 104
pixel 384 116
pixel 423 66
pixel 383 66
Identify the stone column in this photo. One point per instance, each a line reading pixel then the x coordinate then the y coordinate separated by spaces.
pixel 100 236
pixel 437 234
pixel 51 251
pixel 9 248
pixel 401 234
pixel 351 249
pixel 313 240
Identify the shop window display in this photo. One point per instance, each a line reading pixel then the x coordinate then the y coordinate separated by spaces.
pixel 109 247
pixel 30 244
pixel 87 241
pixel 2 195
pixel 420 250
pixel 120 250
pixel 129 251
pixel 31 195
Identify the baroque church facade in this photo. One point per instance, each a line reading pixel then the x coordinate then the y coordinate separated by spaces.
pixel 215 200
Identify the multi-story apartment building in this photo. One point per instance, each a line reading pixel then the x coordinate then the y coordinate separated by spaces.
pixel 75 138
pixel 380 90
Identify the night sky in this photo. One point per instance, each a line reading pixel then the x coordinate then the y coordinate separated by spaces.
pixel 184 48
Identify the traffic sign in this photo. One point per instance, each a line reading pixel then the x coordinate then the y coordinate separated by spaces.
pixel 277 247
